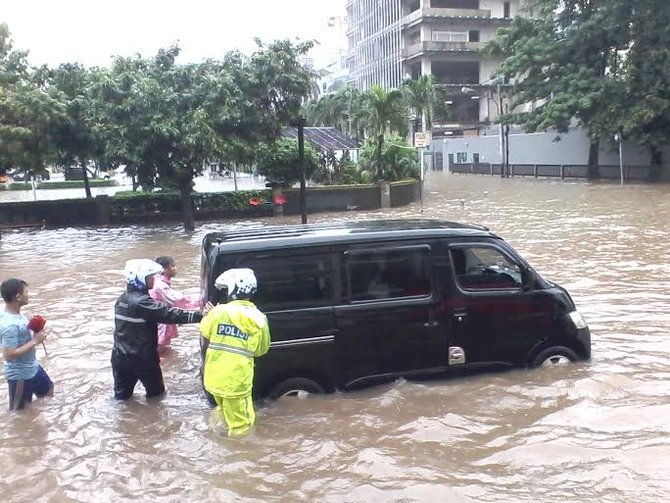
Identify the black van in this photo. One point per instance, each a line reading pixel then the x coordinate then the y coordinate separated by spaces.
pixel 351 304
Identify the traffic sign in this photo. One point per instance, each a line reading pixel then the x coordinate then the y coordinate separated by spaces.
pixel 420 140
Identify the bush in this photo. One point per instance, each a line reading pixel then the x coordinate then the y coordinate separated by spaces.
pixel 399 161
pixel 139 202
pixel 334 171
pixel 279 161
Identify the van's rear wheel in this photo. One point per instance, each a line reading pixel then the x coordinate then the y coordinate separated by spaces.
pixel 555 356
pixel 295 387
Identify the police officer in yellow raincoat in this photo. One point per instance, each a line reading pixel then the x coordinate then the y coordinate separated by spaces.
pixel 233 335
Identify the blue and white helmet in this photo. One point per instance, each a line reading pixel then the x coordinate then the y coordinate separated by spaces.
pixel 240 283
pixel 137 270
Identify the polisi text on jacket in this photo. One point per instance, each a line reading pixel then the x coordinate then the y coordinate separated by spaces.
pixel 231 331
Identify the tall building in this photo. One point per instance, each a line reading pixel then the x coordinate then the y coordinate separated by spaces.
pixel 374 39
pixel 391 40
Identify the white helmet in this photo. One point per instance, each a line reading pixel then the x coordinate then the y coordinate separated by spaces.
pixel 240 283
pixel 137 270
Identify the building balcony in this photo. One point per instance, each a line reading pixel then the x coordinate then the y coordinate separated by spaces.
pixel 419 15
pixel 422 48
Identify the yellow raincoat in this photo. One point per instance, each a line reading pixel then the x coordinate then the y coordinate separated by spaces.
pixel 237 332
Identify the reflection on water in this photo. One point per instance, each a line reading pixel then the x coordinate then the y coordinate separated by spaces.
pixel 589 432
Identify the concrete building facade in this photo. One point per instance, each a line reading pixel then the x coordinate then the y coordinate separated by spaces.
pixel 374 40
pixel 391 40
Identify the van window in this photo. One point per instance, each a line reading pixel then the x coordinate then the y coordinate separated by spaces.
pixel 293 282
pixel 388 274
pixel 484 268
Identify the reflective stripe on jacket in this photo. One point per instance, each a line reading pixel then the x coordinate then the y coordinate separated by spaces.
pixel 238 332
pixel 136 318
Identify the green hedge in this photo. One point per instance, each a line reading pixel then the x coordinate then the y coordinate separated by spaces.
pixel 129 203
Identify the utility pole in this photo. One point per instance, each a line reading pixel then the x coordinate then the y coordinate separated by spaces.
pixel 619 138
pixel 301 155
pixel 503 150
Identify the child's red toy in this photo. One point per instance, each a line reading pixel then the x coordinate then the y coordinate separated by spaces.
pixel 36 323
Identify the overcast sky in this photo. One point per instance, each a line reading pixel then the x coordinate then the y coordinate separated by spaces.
pixel 91 31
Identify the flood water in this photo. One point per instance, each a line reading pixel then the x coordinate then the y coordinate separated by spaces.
pixel 597 431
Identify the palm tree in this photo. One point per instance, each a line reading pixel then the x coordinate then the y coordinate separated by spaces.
pixel 423 96
pixel 383 112
pixel 338 110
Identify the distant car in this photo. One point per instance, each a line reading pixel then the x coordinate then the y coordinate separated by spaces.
pixel 77 173
pixel 74 173
pixel 24 176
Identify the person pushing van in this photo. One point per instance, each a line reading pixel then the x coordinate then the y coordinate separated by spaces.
pixel 233 334
pixel 136 318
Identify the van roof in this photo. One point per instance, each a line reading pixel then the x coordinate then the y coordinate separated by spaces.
pixel 274 236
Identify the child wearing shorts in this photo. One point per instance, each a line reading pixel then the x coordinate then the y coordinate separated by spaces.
pixel 25 376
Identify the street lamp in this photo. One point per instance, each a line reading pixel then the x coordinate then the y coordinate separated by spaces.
pixel 301 156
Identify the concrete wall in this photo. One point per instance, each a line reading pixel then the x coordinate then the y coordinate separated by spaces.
pixel 538 148
pixel 105 210
pixel 403 194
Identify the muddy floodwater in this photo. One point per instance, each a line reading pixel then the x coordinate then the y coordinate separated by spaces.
pixel 591 432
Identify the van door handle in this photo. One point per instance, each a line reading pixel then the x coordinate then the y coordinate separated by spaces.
pixel 460 314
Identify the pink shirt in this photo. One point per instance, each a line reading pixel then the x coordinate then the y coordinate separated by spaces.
pixel 163 292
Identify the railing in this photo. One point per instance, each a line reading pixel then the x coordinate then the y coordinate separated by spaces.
pixel 419 14
pixel 607 172
pixel 422 47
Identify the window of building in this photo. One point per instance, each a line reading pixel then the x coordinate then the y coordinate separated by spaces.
pixel 473 35
pixel 388 274
pixel 485 268
pixel 455 4
pixel 450 36
pixel 506 9
pixel 461 157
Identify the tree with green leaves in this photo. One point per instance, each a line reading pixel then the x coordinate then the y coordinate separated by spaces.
pixel 75 138
pixel 640 108
pixel 116 106
pixel 562 64
pixel 384 112
pixel 423 96
pixel 340 110
pixel 165 120
pixel 279 161
pixel 28 113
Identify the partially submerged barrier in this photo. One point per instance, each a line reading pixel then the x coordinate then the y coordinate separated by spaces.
pixel 145 208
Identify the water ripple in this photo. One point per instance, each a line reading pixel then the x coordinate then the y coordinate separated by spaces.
pixel 590 432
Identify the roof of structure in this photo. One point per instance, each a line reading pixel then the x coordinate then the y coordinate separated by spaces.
pixel 324 138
